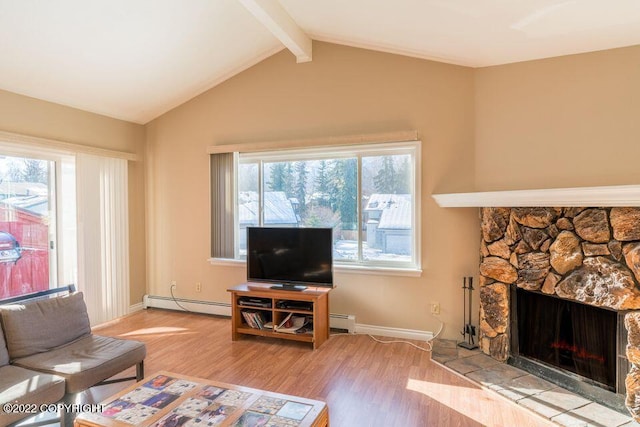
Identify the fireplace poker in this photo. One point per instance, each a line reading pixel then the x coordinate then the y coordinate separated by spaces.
pixel 464 307
pixel 468 330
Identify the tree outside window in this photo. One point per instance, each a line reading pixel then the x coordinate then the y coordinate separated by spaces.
pixel 366 199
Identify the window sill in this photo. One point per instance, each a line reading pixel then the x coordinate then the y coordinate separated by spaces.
pixel 230 262
pixel 339 268
pixel 378 271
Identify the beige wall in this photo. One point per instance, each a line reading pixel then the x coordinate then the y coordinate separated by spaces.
pixel 483 129
pixel 33 117
pixel 343 91
pixel 584 109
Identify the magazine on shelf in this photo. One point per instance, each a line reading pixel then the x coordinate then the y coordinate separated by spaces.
pixel 287 319
pixel 292 324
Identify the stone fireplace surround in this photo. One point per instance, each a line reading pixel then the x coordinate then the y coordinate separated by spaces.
pixel 585 254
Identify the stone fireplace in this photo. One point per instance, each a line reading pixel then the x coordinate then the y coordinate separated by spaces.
pixel 587 256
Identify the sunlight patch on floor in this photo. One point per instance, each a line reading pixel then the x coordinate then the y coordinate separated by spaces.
pixel 458 398
pixel 165 330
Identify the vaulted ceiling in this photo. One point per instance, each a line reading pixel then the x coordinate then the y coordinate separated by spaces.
pixel 136 59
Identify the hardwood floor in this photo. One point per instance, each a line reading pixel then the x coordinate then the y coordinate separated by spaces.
pixel 365 383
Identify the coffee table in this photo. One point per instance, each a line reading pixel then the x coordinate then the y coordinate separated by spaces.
pixel 166 399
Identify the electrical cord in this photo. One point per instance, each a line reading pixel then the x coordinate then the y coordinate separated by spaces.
pixel 429 342
pixel 176 301
pixel 428 348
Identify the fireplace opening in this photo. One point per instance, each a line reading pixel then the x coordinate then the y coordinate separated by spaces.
pixel 575 345
pixel 568 335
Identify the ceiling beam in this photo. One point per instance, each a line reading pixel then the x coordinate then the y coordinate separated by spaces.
pixel 273 16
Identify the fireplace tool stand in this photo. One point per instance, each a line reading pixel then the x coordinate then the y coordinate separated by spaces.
pixel 468 330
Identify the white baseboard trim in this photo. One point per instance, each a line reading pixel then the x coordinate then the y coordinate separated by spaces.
pixel 336 320
pixel 410 334
pixel 135 307
pixel 182 304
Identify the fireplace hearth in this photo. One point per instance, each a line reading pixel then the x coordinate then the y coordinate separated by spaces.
pixel 559 297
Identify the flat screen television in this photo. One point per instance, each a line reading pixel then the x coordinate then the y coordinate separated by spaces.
pixel 290 258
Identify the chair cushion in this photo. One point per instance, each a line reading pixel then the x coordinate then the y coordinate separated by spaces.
pixel 4 353
pixel 87 361
pixel 38 326
pixel 18 385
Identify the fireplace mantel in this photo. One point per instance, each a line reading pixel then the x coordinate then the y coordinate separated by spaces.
pixel 620 195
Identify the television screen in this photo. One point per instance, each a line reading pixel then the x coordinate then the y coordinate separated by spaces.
pixel 290 256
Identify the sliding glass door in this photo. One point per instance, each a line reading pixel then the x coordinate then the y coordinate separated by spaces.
pixel 27 225
pixel 64 220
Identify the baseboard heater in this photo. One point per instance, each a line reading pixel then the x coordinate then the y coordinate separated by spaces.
pixel 346 322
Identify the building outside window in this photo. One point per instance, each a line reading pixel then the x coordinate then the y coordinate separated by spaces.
pixel 367 194
pixel 27 225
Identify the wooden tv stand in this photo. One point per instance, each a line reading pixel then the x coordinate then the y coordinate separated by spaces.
pixel 316 297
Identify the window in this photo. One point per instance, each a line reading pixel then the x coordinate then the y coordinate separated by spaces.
pixel 367 194
pixel 33 213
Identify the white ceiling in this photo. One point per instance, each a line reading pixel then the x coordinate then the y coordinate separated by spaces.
pixel 136 59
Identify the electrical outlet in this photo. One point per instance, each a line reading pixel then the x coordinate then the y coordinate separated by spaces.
pixel 435 308
pixel 174 285
pixel 198 287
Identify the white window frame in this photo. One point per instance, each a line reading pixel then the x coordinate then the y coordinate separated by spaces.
pixel 412 268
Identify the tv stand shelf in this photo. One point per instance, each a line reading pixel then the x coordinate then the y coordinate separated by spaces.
pixel 317 299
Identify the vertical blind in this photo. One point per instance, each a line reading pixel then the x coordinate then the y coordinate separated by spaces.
pixel 222 211
pixel 103 236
